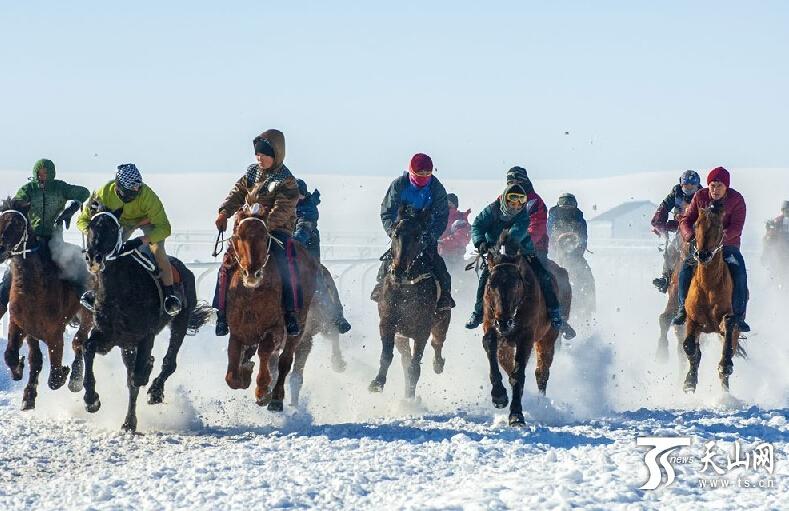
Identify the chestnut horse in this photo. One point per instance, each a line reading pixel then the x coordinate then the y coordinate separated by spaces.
pixel 709 301
pixel 254 308
pixel 407 308
pixel 41 305
pixel 129 313
pixel 515 319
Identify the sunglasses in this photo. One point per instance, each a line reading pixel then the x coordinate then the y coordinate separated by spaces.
pixel 517 198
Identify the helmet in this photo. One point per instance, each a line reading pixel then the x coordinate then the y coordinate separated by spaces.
pixel 128 182
pixel 302 187
pixel 785 205
pixel 453 199
pixel 567 200
pixel 690 177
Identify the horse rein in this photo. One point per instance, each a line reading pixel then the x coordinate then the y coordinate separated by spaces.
pixel 268 245
pixel 520 277
pixel 712 255
pixel 116 251
pixel 23 242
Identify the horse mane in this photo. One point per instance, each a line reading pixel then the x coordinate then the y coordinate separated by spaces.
pixel 506 249
pixel 12 203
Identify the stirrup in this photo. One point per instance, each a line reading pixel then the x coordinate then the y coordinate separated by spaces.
pixel 221 329
pixel 292 324
pixel 474 321
pixel 88 300
pixel 680 318
pixel 172 305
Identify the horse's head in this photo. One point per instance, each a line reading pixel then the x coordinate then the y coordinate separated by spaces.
pixel 252 245
pixel 709 232
pixel 506 286
pixel 407 239
pixel 104 236
pixel 14 230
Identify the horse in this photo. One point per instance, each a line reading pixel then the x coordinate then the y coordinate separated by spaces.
pixel 672 302
pixel 254 308
pixel 407 308
pixel 709 301
pixel 515 319
pixel 568 253
pixel 129 312
pixel 41 305
pixel 775 252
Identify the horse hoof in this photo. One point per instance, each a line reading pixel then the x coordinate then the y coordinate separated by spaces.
pixel 19 371
pixel 689 388
pixel 155 395
pixel 275 406
pixel 264 400
pixel 94 406
pixel 75 383
pixel 129 425
pixel 338 364
pixel 517 420
pixel 57 377
pixel 28 404
pixel 376 386
pixel 500 400
pixel 438 365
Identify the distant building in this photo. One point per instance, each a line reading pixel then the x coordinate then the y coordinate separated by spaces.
pixel 626 221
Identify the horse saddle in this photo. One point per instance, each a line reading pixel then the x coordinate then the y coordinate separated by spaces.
pixel 145 258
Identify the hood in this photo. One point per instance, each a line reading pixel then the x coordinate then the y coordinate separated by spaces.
pixel 45 164
pixel 276 139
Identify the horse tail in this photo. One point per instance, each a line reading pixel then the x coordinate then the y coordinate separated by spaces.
pixel 740 352
pixel 199 316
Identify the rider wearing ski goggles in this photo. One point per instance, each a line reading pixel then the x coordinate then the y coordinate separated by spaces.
pixel 516 198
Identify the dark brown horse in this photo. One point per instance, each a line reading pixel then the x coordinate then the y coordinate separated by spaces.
pixel 515 320
pixel 671 309
pixel 254 309
pixel 41 305
pixel 709 301
pixel 407 308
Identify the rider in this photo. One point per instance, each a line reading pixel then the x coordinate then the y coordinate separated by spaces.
pixel 419 189
pixel 781 222
pixel 566 217
pixel 509 211
pixel 278 196
pixel 538 213
pixel 733 221
pixel 452 243
pixel 47 197
pixel 677 201
pixel 141 209
pixel 307 234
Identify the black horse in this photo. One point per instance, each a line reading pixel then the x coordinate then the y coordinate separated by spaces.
pixel 128 313
pixel 407 308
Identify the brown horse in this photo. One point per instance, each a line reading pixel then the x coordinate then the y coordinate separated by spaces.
pixel 664 319
pixel 515 320
pixel 709 301
pixel 41 305
pixel 407 308
pixel 254 310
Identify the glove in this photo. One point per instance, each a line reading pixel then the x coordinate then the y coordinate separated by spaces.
pixel 131 245
pixel 67 213
pixel 482 247
pixel 221 221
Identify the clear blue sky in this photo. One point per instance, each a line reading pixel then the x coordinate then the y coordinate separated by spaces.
pixel 185 86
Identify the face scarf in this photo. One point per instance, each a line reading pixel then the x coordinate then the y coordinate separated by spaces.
pixel 419 181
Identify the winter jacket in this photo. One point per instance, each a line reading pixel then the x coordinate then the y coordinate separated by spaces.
pixel 436 201
pixel 538 219
pixel 489 224
pixel 733 216
pixel 676 202
pixel 145 209
pixel 457 234
pixel 47 203
pixel 278 192
pixel 306 231
pixel 562 220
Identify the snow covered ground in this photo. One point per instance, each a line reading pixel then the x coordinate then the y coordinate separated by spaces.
pixel 209 447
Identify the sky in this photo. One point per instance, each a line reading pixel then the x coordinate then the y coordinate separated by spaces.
pixel 566 89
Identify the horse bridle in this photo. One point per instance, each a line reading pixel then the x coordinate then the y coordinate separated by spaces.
pixel 116 250
pixel 520 277
pixel 15 251
pixel 231 239
pixel 418 278
pixel 712 255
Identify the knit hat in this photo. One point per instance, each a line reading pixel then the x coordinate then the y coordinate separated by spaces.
pixel 453 199
pixel 719 174
pixel 517 175
pixel 420 162
pixel 128 182
pixel 262 146
pixel 690 177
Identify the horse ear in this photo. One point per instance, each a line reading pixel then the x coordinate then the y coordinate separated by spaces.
pixel 402 211
pixel 117 213
pixel 21 206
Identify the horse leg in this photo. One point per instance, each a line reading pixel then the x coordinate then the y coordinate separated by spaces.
pixel 15 337
pixel 248 365
pixel 403 345
pixel 57 371
pixel 91 397
pixel 693 352
pixel 661 355
pixel 545 350
pixel 143 364
pixel 78 345
pixel 387 354
pixel 517 381
pixel 438 335
pixel 338 363
pixel 36 363
pixel 232 376
pixel 297 376
pixel 156 391
pixel 285 363
pixel 130 361
pixel 263 382
pixel 416 367
pixel 498 393
pixel 726 365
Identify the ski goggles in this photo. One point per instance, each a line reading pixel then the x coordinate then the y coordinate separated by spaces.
pixel 127 194
pixel 516 198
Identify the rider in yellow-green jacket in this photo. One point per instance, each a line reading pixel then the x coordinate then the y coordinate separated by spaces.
pixel 142 209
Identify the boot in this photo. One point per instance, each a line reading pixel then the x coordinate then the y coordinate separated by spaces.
pixel 557 322
pixel 292 324
pixel 741 324
pixel 221 329
pixel 445 301
pixel 474 320
pixel 342 324
pixel 172 303
pixel 661 283
pixel 88 300
pixel 681 316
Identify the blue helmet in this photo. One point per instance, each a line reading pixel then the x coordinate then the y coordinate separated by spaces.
pixel 690 177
